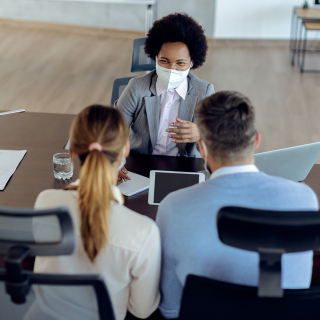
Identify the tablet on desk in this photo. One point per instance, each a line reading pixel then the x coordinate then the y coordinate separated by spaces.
pixel 164 182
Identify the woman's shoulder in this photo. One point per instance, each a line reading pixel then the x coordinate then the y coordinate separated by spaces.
pixel 130 229
pixel 142 83
pixel 201 87
pixel 131 217
pixel 196 81
pixel 54 198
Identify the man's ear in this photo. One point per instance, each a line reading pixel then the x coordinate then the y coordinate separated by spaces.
pixel 257 140
pixel 127 148
pixel 201 150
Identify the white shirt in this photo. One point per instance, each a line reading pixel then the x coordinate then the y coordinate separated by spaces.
pixel 129 263
pixel 234 169
pixel 170 104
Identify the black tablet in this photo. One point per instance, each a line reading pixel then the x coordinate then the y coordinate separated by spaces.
pixel 164 182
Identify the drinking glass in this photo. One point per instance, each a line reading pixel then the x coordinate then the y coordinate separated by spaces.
pixel 62 166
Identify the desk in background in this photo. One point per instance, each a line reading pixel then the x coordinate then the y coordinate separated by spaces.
pixel 43 135
pixel 299 15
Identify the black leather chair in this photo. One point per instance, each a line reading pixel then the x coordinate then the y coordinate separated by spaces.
pixel 140 61
pixel 270 233
pixel 18 241
pixel 118 86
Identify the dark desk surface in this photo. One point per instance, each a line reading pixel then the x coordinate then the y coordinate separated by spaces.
pixel 38 130
pixel 43 135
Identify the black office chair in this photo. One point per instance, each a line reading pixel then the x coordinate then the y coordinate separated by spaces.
pixel 270 233
pixel 118 86
pixel 140 61
pixel 25 233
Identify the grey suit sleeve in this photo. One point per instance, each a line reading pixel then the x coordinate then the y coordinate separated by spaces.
pixel 170 286
pixel 210 90
pixel 128 102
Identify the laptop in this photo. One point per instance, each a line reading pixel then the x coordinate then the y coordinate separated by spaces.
pixel 291 163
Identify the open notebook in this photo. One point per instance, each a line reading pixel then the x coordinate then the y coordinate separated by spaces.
pixel 137 184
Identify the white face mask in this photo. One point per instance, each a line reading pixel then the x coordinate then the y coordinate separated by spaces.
pixel 123 160
pixel 205 157
pixel 170 78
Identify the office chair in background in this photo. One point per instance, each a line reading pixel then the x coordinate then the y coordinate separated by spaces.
pixel 270 234
pixel 24 233
pixel 140 61
pixel 118 86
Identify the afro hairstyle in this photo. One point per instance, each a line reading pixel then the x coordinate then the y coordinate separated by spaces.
pixel 178 27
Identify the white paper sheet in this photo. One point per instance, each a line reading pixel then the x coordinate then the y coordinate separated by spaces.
pixel 9 161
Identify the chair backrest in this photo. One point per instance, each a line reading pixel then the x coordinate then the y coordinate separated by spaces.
pixel 18 229
pixel 118 86
pixel 140 61
pixel 74 288
pixel 26 232
pixel 270 233
pixel 208 299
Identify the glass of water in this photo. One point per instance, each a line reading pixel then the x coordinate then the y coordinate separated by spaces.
pixel 62 166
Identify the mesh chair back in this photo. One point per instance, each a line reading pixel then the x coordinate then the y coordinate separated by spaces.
pixel 24 233
pixel 9 309
pixel 253 230
pixel 69 297
pixel 206 299
pixel 140 61
pixel 42 232
pixel 270 233
pixel 118 87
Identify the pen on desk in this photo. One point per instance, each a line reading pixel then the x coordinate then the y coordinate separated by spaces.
pixel 11 112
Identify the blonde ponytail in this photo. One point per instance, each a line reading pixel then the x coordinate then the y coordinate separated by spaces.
pixel 94 198
pixel 106 126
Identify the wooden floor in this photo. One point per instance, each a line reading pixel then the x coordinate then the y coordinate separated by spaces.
pixel 46 70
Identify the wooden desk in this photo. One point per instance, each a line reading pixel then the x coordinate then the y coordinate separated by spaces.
pixel 38 130
pixel 299 15
pixel 42 135
pixel 45 134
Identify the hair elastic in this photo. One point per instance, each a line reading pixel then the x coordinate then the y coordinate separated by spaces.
pixel 95 146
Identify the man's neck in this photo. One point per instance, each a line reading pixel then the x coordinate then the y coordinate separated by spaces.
pixel 215 165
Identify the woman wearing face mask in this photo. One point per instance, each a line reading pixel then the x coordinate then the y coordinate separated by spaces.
pixel 159 106
pixel 112 240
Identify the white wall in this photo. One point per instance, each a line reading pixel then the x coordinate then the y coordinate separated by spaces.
pixel 115 16
pixel 254 19
pixel 233 19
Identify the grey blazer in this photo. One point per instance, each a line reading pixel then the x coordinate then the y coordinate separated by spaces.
pixel 140 106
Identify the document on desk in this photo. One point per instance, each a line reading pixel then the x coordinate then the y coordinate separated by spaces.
pixel 9 162
pixel 136 185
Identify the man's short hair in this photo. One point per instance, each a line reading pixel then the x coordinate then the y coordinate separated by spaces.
pixel 226 122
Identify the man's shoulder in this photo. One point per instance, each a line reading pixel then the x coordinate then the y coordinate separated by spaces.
pixel 253 184
pixel 186 195
pixel 279 182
